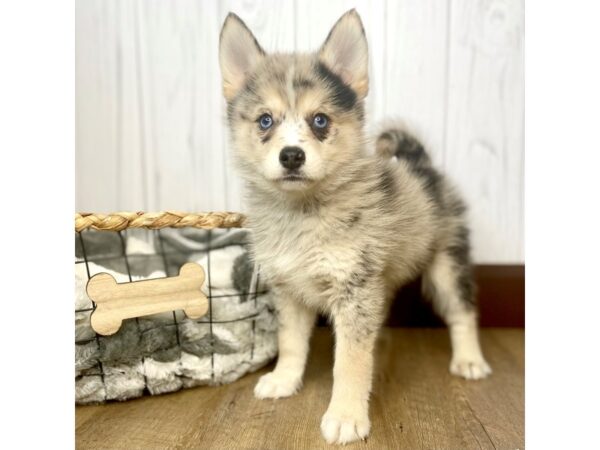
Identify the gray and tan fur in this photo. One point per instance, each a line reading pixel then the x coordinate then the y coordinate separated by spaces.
pixel 338 230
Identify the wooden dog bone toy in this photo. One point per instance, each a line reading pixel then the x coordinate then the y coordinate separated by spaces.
pixel 118 301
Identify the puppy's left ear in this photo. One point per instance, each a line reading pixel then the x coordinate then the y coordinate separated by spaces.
pixel 346 54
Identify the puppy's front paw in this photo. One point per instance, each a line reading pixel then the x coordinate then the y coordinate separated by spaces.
pixel 344 428
pixel 470 368
pixel 276 385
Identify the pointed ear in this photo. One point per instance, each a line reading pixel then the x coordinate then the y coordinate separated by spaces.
pixel 345 52
pixel 239 52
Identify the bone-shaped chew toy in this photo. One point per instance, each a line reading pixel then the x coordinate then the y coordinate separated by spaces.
pixel 118 301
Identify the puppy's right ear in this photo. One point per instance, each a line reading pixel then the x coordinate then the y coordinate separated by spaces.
pixel 239 52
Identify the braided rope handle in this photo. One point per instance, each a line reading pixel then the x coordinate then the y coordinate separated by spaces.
pixel 121 220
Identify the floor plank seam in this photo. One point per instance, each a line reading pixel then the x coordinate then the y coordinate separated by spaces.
pixel 480 423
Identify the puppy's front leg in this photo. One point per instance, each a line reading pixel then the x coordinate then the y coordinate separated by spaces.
pixel 356 326
pixel 295 325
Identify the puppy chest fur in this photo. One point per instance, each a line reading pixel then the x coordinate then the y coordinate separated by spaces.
pixel 378 227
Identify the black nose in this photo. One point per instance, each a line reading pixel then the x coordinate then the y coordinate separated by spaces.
pixel 292 157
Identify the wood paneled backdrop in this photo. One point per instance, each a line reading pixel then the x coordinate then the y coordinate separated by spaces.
pixel 150 116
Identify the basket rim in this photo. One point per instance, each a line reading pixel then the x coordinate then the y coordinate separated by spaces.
pixel 122 220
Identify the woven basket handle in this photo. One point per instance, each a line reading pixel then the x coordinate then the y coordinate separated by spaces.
pixel 154 220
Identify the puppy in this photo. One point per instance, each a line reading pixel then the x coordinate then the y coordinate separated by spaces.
pixel 338 230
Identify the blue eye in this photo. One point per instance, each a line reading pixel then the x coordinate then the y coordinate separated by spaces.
pixel 320 121
pixel 265 121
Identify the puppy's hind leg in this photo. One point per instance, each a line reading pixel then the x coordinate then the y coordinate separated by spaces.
pixel 448 282
pixel 296 322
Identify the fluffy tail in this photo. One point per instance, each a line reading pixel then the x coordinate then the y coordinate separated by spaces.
pixel 396 142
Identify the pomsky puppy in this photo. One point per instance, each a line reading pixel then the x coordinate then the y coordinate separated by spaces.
pixel 338 229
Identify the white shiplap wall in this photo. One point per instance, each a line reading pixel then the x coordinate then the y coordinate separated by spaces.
pixel 150 117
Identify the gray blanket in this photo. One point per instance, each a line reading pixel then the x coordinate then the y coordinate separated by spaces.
pixel 166 352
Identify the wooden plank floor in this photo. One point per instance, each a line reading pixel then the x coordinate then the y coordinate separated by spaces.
pixel 416 404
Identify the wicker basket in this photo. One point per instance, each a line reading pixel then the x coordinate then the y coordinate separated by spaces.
pixel 168 351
